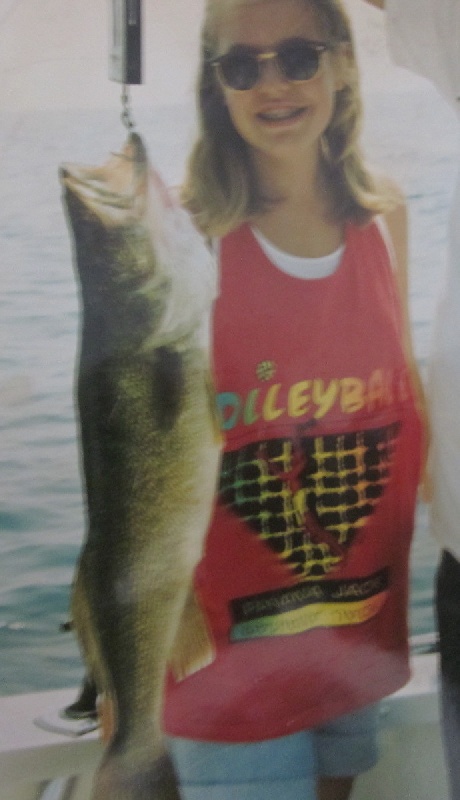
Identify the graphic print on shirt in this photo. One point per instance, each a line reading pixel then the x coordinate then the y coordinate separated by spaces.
pixel 306 498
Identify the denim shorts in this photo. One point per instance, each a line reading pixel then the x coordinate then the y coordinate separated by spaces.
pixel 277 769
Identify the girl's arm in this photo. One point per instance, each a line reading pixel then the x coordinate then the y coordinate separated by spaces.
pixel 396 221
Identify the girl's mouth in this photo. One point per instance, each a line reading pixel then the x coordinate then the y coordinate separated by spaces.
pixel 281 114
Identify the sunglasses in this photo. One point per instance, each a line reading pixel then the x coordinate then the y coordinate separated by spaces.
pixel 296 60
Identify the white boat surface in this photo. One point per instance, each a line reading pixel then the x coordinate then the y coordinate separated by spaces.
pixel 36 764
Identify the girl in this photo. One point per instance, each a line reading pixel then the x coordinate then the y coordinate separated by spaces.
pixel 304 578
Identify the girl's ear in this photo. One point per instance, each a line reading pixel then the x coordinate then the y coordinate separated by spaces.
pixel 344 66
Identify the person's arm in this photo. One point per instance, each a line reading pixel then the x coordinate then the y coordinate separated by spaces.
pixel 422 35
pixel 397 225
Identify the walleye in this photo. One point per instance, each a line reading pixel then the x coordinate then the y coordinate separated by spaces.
pixel 149 445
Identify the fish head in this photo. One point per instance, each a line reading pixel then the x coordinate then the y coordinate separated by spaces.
pixel 113 192
pixel 142 265
pixel 115 247
pixel 106 208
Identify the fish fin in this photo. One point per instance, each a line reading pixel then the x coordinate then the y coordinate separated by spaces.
pixel 107 717
pixel 86 630
pixel 84 706
pixel 168 386
pixel 193 648
pixel 216 423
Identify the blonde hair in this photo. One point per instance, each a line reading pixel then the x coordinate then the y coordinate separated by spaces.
pixel 221 188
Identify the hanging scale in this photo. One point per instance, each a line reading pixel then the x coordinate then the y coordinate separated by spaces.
pixel 126 51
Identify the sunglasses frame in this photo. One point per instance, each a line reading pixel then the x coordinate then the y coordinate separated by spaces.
pixel 262 56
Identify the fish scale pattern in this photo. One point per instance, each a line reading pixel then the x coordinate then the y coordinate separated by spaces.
pixel 307 498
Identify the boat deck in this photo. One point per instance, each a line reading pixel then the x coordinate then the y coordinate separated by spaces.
pixel 36 764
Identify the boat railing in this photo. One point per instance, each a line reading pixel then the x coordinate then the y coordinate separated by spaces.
pixel 38 764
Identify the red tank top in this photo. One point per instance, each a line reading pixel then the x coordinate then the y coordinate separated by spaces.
pixel 304 579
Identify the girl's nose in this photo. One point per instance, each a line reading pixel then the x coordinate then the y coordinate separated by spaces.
pixel 269 70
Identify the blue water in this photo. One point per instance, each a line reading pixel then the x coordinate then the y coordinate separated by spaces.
pixel 41 511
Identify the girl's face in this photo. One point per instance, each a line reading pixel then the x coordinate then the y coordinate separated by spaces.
pixel 278 118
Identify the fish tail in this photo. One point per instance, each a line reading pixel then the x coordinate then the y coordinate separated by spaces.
pixel 116 779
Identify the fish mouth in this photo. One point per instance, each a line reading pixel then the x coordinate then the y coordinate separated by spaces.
pixel 114 187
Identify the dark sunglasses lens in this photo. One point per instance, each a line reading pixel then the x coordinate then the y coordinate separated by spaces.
pixel 239 70
pixel 299 61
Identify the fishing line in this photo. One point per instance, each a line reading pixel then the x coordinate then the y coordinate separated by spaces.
pixel 126 115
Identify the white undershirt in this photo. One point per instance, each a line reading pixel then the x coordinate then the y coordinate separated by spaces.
pixel 299 266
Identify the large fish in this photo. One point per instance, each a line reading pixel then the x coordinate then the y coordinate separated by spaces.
pixel 150 451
